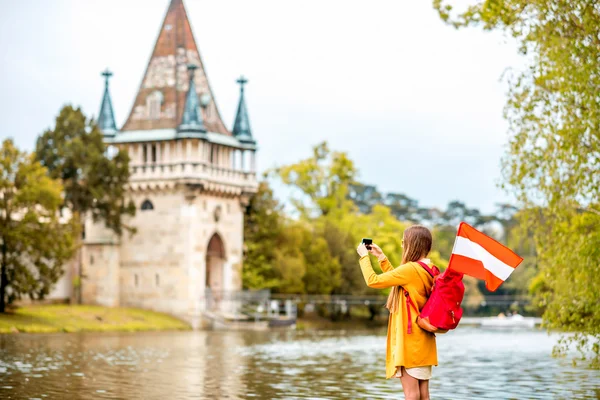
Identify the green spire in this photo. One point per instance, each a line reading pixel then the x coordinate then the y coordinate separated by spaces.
pixel 106 118
pixel 192 117
pixel 241 126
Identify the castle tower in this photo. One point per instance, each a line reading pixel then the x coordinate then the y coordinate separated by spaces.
pixel 191 180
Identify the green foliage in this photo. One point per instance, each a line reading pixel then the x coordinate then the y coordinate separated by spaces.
pixel 322 270
pixel 342 243
pixel 568 286
pixel 316 253
pixel 34 242
pixel 553 160
pixel 323 178
pixel 284 255
pixel 94 181
pixel 263 230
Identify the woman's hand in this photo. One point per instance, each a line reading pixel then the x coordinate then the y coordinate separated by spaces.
pixel 376 251
pixel 362 250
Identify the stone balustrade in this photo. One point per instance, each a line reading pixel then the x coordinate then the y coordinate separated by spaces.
pixel 192 170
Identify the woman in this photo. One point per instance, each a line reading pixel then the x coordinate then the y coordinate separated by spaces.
pixel 411 351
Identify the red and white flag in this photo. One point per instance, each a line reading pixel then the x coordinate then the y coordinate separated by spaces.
pixel 478 255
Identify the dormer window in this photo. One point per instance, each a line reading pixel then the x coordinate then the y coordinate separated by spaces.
pixel 153 104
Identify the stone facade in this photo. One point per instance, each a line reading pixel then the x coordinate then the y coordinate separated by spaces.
pixel 190 183
pixel 168 263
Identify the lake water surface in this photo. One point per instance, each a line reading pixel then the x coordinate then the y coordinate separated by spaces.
pixel 474 364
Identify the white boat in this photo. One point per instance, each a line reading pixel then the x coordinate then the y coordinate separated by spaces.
pixel 512 321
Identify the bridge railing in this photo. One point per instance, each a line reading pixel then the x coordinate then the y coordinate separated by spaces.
pixel 258 305
pixel 264 304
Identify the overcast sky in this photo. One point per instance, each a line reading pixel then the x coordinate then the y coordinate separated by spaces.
pixel 416 104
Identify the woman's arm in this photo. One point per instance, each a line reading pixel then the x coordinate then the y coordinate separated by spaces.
pixel 384 263
pixel 396 277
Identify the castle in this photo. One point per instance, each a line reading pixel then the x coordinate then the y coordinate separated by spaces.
pixel 191 179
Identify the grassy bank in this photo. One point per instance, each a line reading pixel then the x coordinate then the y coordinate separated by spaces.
pixel 66 318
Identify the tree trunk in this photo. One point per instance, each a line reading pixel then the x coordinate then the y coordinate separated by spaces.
pixel 3 278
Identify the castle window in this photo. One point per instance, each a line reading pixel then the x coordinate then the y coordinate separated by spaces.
pixel 145 154
pixel 153 104
pixel 157 280
pixel 147 205
pixel 136 280
pixel 153 153
pixel 91 260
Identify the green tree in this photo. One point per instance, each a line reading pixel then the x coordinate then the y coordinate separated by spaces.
pixel 263 234
pixel 324 181
pixel 290 262
pixel 34 242
pixel 94 180
pixel 285 255
pixel 324 178
pixel 553 161
pixel 403 207
pixel 323 270
pixel 342 243
pixel 364 196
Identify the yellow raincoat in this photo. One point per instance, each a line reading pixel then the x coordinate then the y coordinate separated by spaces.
pixel 417 349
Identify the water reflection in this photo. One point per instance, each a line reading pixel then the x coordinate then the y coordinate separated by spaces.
pixel 280 365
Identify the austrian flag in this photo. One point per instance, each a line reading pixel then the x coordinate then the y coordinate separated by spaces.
pixel 478 255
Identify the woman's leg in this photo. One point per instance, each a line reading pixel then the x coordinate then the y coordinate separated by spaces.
pixel 410 386
pixel 424 389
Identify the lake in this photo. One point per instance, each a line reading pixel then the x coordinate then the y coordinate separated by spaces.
pixel 474 364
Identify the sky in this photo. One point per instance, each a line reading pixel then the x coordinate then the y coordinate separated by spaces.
pixel 416 104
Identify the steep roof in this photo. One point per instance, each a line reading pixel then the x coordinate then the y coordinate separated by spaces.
pixel 160 101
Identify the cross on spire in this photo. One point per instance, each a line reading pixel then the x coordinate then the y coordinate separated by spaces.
pixel 242 81
pixel 106 74
pixel 192 68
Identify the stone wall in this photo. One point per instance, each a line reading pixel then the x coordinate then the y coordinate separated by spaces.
pixel 100 274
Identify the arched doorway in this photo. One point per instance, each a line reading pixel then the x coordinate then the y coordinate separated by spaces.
pixel 215 260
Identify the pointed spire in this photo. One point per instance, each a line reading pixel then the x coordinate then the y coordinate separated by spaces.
pixel 166 78
pixel 106 118
pixel 192 117
pixel 241 126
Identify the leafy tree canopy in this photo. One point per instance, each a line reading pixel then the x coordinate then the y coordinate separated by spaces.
pixel 34 242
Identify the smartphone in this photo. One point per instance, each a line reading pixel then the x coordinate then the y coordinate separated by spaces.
pixel 367 242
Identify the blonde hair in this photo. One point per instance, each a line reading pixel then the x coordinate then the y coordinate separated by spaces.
pixel 417 244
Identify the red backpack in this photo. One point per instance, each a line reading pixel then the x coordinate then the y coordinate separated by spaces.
pixel 442 310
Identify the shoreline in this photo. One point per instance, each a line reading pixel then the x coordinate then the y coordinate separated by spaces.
pixel 65 318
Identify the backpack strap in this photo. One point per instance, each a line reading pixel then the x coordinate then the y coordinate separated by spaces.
pixel 408 304
pixel 427 268
pixel 409 301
